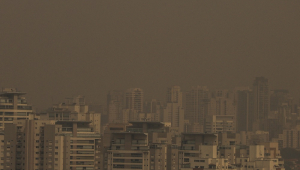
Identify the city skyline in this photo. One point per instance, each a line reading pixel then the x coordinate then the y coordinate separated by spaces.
pixel 149 85
pixel 148 96
pixel 58 50
pixel 69 135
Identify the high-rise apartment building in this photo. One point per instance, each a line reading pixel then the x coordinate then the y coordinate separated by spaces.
pixel 261 95
pixel 154 107
pixel 115 95
pixel 144 145
pixel 222 103
pixel 75 105
pixel 115 102
pixel 173 111
pixel 51 145
pixel 174 114
pixel 13 106
pixel 197 105
pixel 24 144
pixel 1 150
pixel 291 138
pixel 134 99
pixel 174 95
pixel 282 105
pixel 129 115
pixel 244 109
pixel 77 111
pixel 220 124
pixel 114 112
pixel 199 151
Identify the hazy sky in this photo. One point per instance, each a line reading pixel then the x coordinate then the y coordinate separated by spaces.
pixel 57 49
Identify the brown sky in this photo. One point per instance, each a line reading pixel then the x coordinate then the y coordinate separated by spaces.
pixel 57 49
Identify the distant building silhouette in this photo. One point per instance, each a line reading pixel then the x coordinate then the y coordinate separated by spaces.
pixel 134 99
pixel 197 105
pixel 173 112
pixel 244 109
pixel 261 94
pixel 115 102
pixel 174 95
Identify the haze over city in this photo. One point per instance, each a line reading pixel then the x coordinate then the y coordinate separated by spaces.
pixel 58 49
pixel 149 85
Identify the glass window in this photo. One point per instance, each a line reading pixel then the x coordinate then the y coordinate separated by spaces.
pixel 8 119
pixel 21 114
pixel 9 113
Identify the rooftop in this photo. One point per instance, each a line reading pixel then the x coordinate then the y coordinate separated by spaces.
pixel 10 93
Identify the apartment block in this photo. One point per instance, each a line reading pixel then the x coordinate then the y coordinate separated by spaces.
pixel 134 99
pixel 220 123
pixel 174 114
pixel 291 138
pixel 144 145
pixel 197 106
pixel 50 145
pixel 199 151
pixel 13 106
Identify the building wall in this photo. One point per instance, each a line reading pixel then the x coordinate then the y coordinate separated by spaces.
pixel 134 99
pixel 174 113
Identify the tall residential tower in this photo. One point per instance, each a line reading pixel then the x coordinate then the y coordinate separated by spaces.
pixel 261 101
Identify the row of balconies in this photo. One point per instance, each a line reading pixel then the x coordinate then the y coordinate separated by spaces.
pixel 12 107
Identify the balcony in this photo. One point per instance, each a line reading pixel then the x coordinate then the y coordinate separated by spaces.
pixel 140 148
pixel 188 148
pixel 155 147
pixel 138 130
pixel 118 142
pixel 6 107
pixel 139 142
pixel 186 166
pixel 119 160
pixel 156 130
pixel 188 142
pixel 84 130
pixel 24 108
pixel 67 129
pixel 136 161
pixel 136 155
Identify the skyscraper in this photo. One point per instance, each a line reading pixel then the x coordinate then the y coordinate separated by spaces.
pixel 134 99
pixel 174 95
pixel 244 109
pixel 115 105
pixel 115 95
pixel 261 101
pixel 174 114
pixel 222 103
pixel 173 111
pixel 154 107
pixel 196 107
